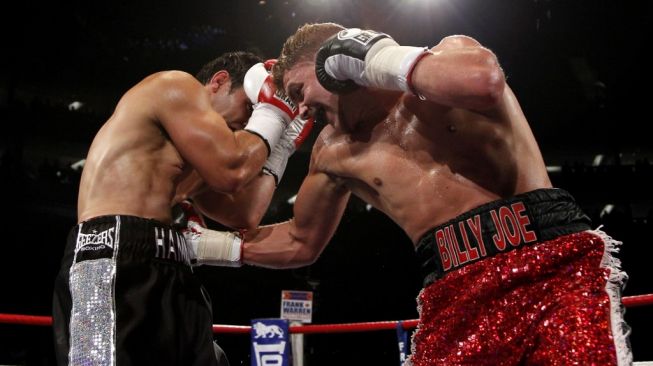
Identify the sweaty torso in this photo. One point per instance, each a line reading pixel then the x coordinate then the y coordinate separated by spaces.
pixel 424 164
pixel 131 167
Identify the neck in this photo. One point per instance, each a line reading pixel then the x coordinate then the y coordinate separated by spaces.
pixel 367 107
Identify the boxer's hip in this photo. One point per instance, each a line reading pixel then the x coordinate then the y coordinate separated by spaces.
pixel 126 238
pixel 125 279
pixel 498 227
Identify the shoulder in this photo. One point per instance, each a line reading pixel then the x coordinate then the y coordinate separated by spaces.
pixel 174 85
pixel 172 79
pixel 323 140
pixel 457 41
pixel 326 152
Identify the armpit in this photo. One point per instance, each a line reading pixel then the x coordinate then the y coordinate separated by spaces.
pixel 338 183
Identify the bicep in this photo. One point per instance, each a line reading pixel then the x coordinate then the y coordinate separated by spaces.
pixel 203 138
pixel 299 242
pixel 195 131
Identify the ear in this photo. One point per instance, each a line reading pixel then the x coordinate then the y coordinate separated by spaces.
pixel 220 79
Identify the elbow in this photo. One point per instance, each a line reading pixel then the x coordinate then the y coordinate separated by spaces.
pixel 236 180
pixel 491 90
pixel 304 252
pixel 229 180
pixel 240 221
pixel 490 80
pixel 248 221
pixel 311 257
pixel 306 257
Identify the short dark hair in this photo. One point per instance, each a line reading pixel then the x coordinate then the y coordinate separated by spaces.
pixel 235 63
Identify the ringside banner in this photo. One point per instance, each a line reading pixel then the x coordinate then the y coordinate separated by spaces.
pixel 297 305
pixel 270 345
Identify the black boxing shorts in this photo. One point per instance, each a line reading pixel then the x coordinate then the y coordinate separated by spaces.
pixel 126 295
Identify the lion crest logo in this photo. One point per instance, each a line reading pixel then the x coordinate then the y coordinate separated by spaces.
pixel 267 331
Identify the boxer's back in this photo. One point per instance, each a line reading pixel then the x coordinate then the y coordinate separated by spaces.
pixel 132 166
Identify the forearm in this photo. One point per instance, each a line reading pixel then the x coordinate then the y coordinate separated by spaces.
pixel 231 164
pixel 245 208
pixel 295 243
pixel 250 153
pixel 273 246
pixel 189 186
pixel 299 242
pixel 241 210
pixel 458 72
pixel 278 246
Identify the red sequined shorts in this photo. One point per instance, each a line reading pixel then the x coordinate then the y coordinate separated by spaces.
pixel 553 302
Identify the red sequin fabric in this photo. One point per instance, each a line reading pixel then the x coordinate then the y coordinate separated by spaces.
pixel 553 303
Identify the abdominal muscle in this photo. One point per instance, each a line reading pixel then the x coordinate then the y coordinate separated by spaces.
pixel 418 200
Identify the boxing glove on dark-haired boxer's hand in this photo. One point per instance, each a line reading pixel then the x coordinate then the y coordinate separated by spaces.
pixel 273 111
pixel 292 138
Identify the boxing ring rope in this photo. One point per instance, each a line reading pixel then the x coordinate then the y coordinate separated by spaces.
pixel 627 301
pixel 324 328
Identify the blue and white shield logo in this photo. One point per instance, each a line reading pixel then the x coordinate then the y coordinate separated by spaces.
pixel 270 344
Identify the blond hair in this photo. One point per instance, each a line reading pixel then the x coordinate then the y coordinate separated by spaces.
pixel 302 46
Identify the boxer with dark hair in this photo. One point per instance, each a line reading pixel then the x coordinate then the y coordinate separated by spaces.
pixel 125 293
pixel 436 139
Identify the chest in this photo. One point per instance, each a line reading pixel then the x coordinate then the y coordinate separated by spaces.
pixel 424 151
pixel 377 161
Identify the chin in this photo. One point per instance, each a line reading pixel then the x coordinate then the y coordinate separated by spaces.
pixel 346 124
pixel 236 126
pixel 341 126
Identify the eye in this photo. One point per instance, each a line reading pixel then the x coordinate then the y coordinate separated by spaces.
pixel 320 116
pixel 295 93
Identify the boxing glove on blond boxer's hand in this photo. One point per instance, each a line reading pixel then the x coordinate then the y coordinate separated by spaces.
pixel 355 57
pixel 215 248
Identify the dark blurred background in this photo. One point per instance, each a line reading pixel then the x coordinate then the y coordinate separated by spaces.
pixel 578 67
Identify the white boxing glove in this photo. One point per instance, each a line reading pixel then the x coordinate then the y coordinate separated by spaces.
pixel 273 110
pixel 215 248
pixel 356 57
pixel 292 138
